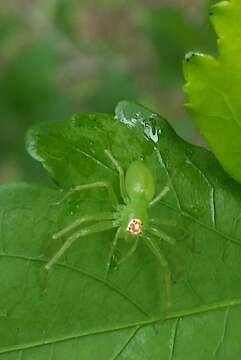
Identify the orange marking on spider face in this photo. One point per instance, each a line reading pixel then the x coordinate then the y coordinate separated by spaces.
pixel 135 227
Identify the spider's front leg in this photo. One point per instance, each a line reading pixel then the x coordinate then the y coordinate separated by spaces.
pixel 130 252
pixel 161 195
pixel 124 258
pixel 84 219
pixel 112 252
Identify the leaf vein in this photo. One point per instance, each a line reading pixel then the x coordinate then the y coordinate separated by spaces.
pixel 212 192
pixel 163 164
pixel 174 339
pixel 20 357
pixel 88 156
pixel 224 331
pixel 129 339
pixel 219 233
pixel 51 352
pixel 229 106
pixel 73 268
pixel 174 315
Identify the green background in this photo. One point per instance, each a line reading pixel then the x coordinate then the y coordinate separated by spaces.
pixel 69 56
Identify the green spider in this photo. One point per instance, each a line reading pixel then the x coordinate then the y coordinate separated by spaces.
pixel 137 188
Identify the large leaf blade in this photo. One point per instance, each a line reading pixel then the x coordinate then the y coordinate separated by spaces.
pixel 80 311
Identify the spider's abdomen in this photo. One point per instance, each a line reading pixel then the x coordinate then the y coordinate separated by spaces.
pixel 139 181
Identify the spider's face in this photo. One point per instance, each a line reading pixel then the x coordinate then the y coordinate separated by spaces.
pixel 134 216
pixel 135 227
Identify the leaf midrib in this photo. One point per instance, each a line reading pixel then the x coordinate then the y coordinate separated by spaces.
pixel 175 315
pixel 84 273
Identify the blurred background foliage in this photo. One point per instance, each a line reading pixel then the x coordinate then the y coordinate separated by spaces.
pixel 59 57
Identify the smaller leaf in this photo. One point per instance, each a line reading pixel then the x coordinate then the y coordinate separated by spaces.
pixel 214 86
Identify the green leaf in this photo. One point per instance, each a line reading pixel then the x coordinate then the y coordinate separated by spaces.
pixel 214 85
pixel 84 316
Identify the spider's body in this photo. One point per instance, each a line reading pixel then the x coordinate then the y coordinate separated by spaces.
pixel 139 181
pixel 137 188
pixel 135 209
pixel 140 189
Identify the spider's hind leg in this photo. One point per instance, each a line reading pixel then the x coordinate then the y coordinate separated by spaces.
pixel 130 252
pixel 108 222
pixel 165 266
pixel 161 195
pixel 98 184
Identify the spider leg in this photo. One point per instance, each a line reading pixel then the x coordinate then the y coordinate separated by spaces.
pixel 130 252
pixel 159 196
pixel 163 262
pixel 124 258
pixel 94 228
pixel 161 235
pixel 165 190
pixel 121 176
pixel 97 184
pixel 78 222
pixel 112 251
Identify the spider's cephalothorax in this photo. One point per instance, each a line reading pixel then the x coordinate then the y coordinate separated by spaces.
pixel 137 188
pixel 140 189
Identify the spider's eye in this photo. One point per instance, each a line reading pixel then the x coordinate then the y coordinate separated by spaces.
pixel 135 226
